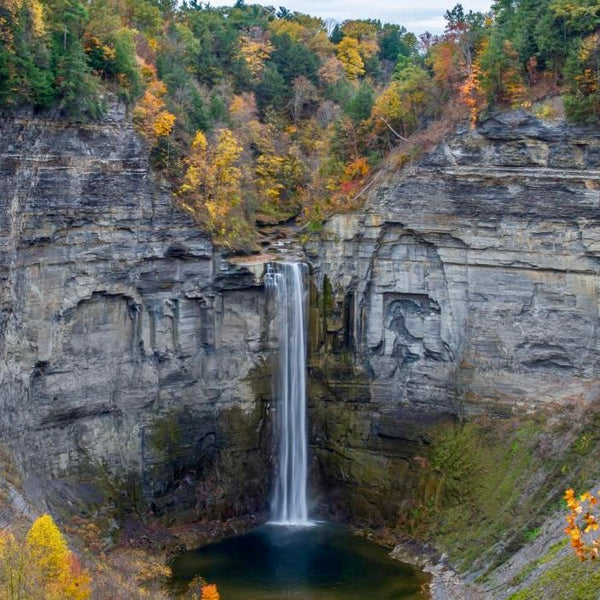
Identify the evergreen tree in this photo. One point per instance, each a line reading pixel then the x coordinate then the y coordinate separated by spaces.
pixel 360 105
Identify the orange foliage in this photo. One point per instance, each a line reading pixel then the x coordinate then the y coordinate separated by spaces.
pixel 515 91
pixel 357 168
pixel 150 117
pixel 448 63
pixel 210 592
pixel 580 523
pixel 471 93
pixel 332 70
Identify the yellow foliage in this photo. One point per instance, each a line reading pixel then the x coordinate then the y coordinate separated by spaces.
pixel 348 52
pixel 42 566
pixel 368 48
pixel 163 123
pixel 12 11
pixel 47 547
pixel 255 52
pixel 149 115
pixel 320 44
pixel 243 109
pixel 400 104
pixel 295 30
pixel 199 143
pixel 211 187
pixel 359 29
pixel 357 168
pixel 37 18
pixel 268 167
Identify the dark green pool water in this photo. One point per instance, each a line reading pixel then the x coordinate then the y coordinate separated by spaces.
pixel 324 562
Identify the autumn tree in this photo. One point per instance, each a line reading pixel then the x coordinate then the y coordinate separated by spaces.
pixel 331 71
pixel 502 75
pixel 365 32
pixel 279 173
pixel 348 52
pixel 465 31
pixel 290 27
pixel 405 100
pixel 256 48
pixel 41 566
pixel 150 116
pixel 449 65
pixel 212 186
pixel 472 94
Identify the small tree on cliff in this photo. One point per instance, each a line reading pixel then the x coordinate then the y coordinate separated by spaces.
pixel 212 186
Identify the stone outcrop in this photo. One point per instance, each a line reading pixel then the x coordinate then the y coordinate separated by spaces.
pixel 468 285
pixel 131 353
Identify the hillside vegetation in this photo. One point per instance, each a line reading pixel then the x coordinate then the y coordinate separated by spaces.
pixel 261 115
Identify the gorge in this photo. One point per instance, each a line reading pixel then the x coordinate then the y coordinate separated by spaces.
pixel 136 359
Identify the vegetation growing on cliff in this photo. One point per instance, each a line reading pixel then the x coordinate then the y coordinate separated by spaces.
pixel 261 115
pixel 487 487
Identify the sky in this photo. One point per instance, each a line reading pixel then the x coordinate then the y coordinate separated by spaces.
pixel 416 15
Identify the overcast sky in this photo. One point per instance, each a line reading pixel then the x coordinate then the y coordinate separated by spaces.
pixel 416 15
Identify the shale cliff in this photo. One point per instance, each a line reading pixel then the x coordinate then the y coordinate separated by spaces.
pixel 467 286
pixel 129 350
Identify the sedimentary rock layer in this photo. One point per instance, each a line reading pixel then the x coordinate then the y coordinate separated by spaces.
pixel 127 345
pixel 468 285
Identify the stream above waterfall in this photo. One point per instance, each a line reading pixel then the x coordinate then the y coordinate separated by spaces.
pixel 322 562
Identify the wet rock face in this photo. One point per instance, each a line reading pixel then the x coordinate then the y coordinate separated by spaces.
pixel 468 285
pixel 127 345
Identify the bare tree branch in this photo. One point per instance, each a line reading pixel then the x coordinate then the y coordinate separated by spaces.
pixel 393 130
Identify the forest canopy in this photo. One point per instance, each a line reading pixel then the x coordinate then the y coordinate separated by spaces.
pixel 260 115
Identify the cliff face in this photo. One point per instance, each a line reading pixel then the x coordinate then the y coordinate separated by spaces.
pixel 133 357
pixel 128 348
pixel 469 285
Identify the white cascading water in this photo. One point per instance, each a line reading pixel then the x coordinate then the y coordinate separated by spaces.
pixel 289 505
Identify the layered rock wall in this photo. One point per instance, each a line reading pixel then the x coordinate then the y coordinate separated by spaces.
pixel 133 357
pixel 128 348
pixel 468 285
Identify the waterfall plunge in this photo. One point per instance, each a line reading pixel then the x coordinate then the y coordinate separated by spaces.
pixel 288 505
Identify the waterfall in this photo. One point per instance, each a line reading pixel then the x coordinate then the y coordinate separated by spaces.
pixel 288 506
